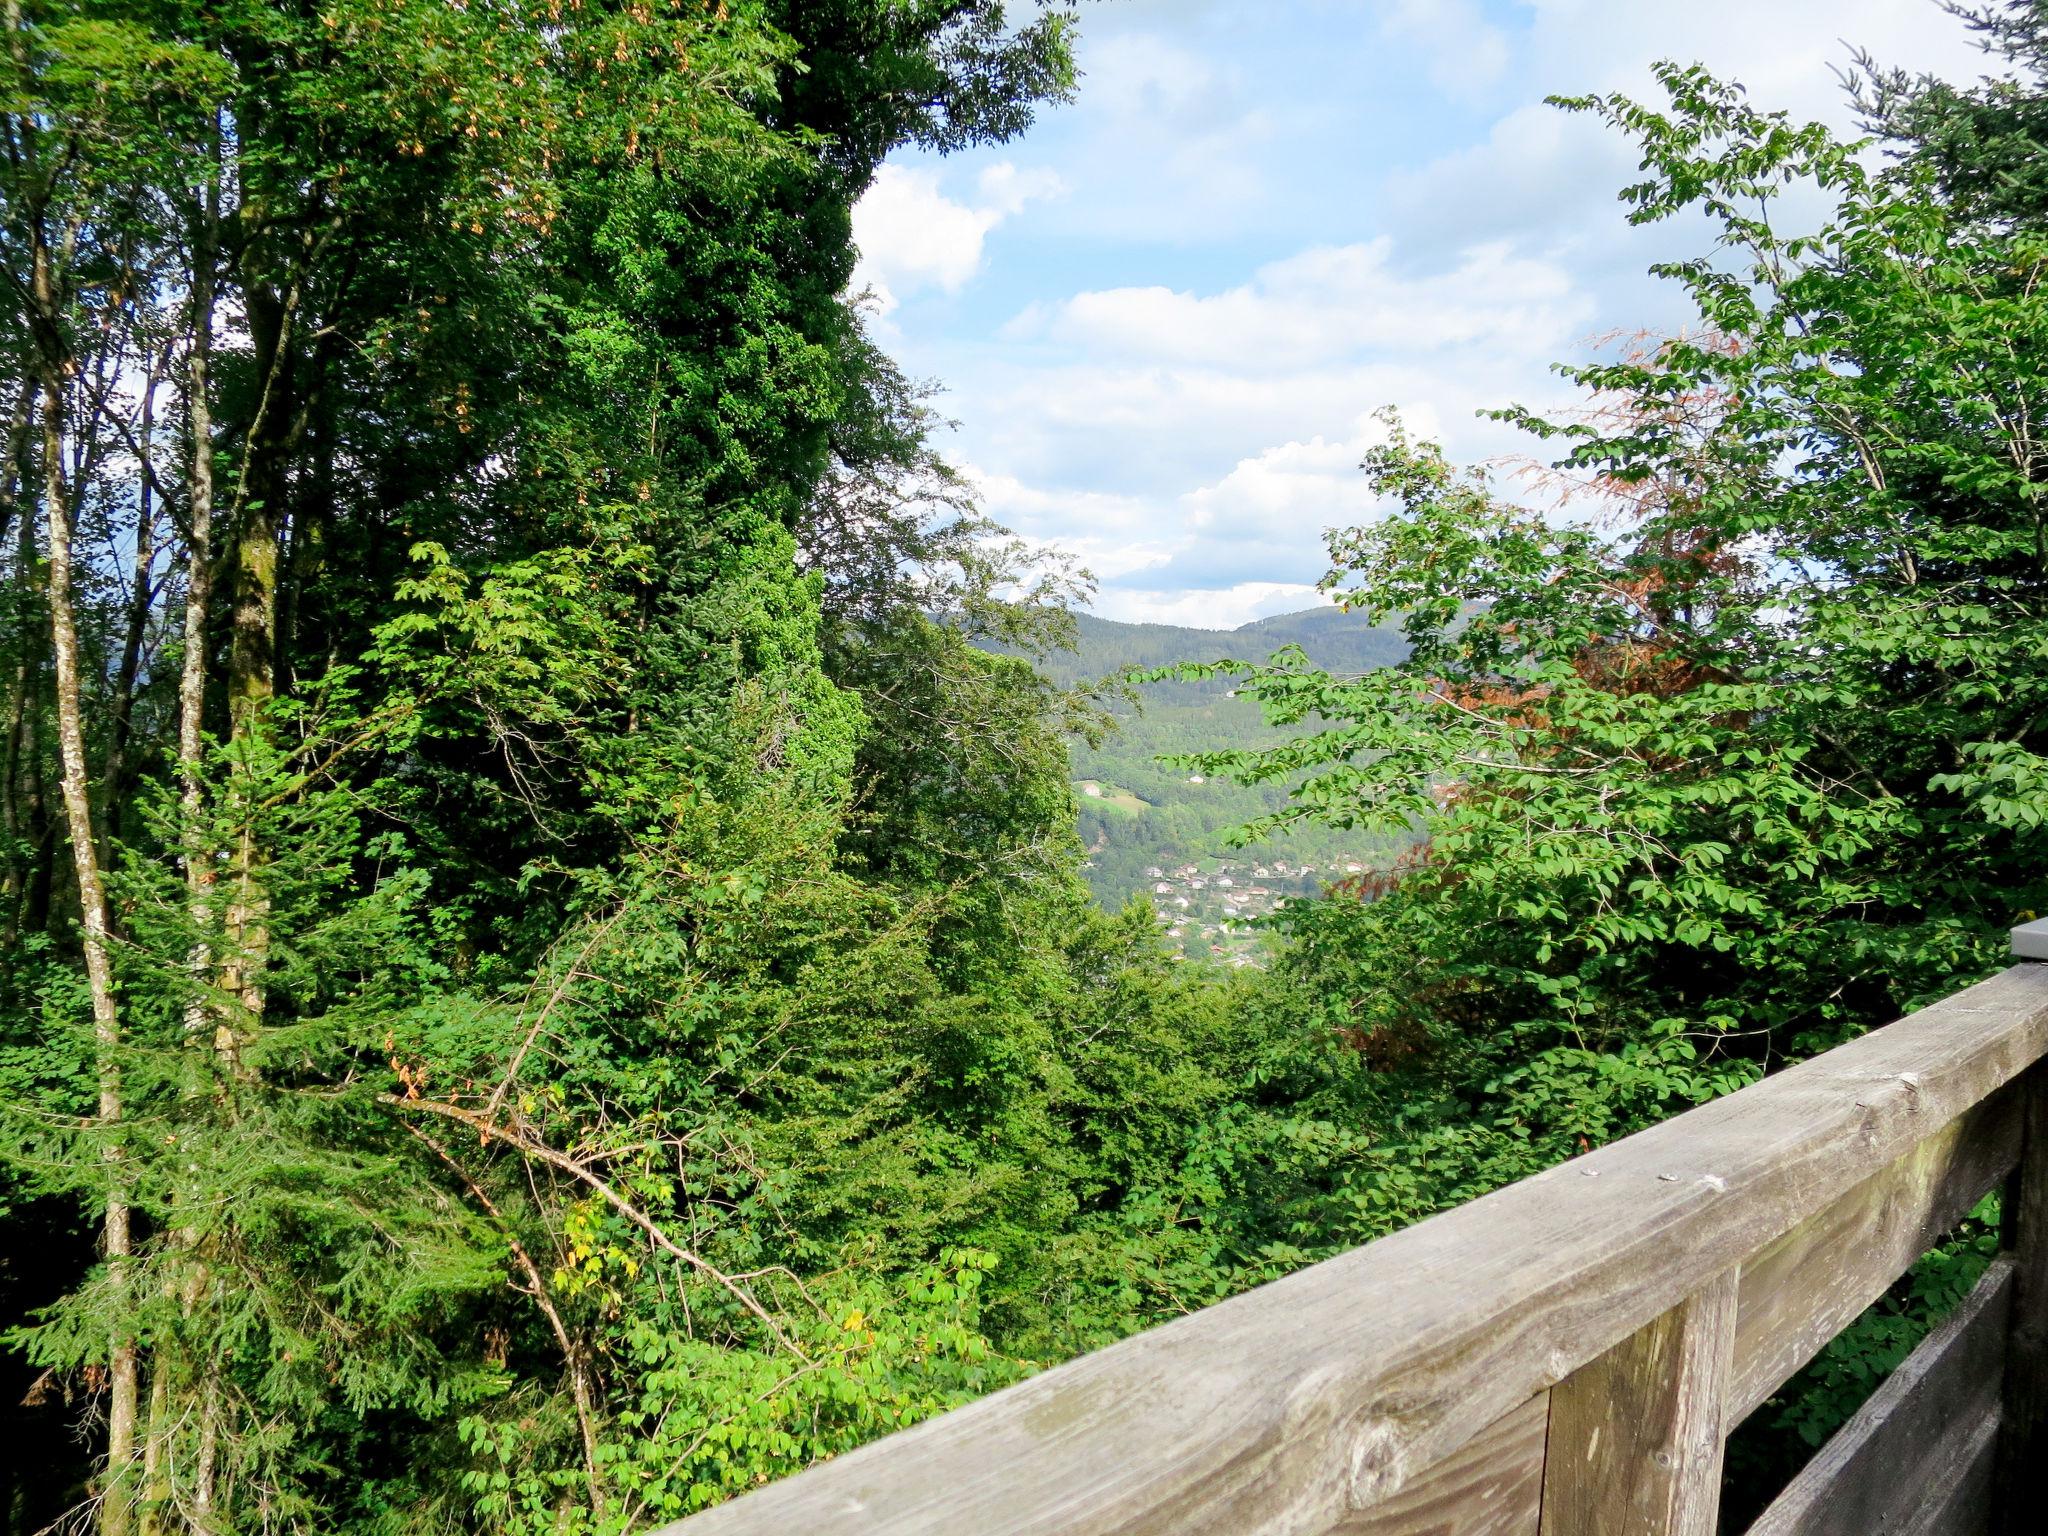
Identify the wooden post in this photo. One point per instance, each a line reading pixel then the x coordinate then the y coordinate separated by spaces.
pixel 2021 1481
pixel 1636 1436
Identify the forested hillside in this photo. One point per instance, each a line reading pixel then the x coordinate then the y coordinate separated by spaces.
pixel 1331 638
pixel 546 970
pixel 1145 818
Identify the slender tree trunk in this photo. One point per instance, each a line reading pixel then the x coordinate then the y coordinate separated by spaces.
pixel 17 444
pixel 199 871
pixel 203 241
pixel 39 827
pixel 156 1471
pixel 14 872
pixel 15 826
pixel 252 643
pixel 206 1464
pixel 312 516
pixel 117 1499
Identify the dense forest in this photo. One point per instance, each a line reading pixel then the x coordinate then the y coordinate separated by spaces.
pixel 546 976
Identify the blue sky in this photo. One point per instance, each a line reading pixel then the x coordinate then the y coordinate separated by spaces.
pixel 1165 317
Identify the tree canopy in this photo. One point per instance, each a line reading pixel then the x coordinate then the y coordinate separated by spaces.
pixel 545 971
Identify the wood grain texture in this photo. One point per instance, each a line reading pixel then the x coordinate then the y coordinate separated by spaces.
pixel 1810 1284
pixel 1294 1406
pixel 1922 1436
pixel 1636 1436
pixel 1492 1485
pixel 2020 1496
pixel 1960 1504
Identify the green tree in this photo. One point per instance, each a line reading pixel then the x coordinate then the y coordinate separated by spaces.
pixel 423 407
pixel 1736 753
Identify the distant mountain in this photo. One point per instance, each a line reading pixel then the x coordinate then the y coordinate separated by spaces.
pixel 1340 641
pixel 1160 830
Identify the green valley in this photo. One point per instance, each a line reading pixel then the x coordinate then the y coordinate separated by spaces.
pixel 1155 828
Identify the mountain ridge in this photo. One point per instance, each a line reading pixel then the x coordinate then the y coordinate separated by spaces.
pixel 1332 638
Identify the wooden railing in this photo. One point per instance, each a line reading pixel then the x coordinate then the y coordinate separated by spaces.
pixel 1564 1357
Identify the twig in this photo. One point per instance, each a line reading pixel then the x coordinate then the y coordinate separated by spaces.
pixel 523 1143
pixel 571 1356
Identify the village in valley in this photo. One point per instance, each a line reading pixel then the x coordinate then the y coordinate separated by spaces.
pixel 1213 907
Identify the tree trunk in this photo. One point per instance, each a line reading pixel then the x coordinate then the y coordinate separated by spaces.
pixel 117 1499
pixel 14 876
pixel 206 1463
pixel 156 1472
pixel 199 871
pixel 17 445
pixel 38 825
pixel 252 650
pixel 15 824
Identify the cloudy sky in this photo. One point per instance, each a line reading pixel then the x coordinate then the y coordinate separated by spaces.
pixel 1165 317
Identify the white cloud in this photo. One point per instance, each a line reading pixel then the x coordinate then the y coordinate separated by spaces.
pixel 1782 52
pixel 1326 304
pixel 1190 442
pixel 1540 180
pixel 1286 496
pixel 1005 190
pixel 1220 608
pixel 1181 143
pixel 913 237
pixel 1547 180
pixel 1283 266
pixel 1466 53
pixel 1261 524
pixel 1143 77
pixel 1110 531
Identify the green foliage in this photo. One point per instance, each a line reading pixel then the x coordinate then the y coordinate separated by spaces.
pixel 1753 772
pixel 576 1051
pixel 606 1007
pixel 1740 767
pixel 706 1421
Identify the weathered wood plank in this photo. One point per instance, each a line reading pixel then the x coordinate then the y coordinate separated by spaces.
pixel 1960 1503
pixel 1289 1408
pixel 1810 1284
pixel 2020 1492
pixel 1917 1442
pixel 1492 1485
pixel 1795 1297
pixel 1636 1436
